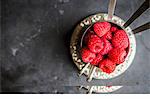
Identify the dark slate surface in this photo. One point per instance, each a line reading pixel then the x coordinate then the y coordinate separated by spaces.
pixel 35 46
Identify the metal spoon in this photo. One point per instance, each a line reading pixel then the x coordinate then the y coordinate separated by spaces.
pixel 111 8
pixel 138 12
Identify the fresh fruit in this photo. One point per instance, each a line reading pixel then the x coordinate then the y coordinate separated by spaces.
pixel 120 39
pixel 101 28
pixel 117 55
pixel 113 29
pixel 108 35
pixel 97 59
pixel 88 35
pixel 95 44
pixel 107 47
pixel 87 55
pixel 107 66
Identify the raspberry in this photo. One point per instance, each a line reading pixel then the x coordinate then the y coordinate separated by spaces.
pixel 108 36
pixel 101 28
pixel 117 55
pixel 120 39
pixel 107 66
pixel 113 29
pixel 107 47
pixel 87 36
pixel 97 59
pixel 95 44
pixel 87 55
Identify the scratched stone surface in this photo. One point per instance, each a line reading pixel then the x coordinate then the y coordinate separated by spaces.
pixel 34 51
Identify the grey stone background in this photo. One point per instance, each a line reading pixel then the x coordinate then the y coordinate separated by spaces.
pixel 34 51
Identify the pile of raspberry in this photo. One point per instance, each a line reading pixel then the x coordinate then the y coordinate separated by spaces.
pixel 105 46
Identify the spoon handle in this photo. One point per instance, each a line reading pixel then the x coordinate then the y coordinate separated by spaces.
pixel 111 8
pixel 141 28
pixel 138 12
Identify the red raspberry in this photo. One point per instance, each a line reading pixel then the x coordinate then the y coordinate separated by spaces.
pixel 120 39
pixel 87 55
pixel 95 44
pixel 117 55
pixel 107 66
pixel 113 29
pixel 107 47
pixel 101 28
pixel 97 59
pixel 108 36
pixel 87 36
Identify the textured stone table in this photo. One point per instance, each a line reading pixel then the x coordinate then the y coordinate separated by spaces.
pixel 35 39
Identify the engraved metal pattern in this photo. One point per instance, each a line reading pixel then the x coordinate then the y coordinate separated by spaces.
pixel 75 46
